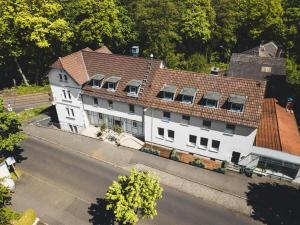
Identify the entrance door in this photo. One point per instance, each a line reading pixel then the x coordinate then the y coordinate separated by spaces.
pixel 235 157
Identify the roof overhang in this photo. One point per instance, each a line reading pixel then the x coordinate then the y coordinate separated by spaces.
pixel 169 88
pixel 113 79
pixel 188 92
pixel 134 83
pixel 212 95
pixel 237 99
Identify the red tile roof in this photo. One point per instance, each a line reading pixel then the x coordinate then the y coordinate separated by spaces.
pixel 226 86
pixel 103 49
pixel 278 129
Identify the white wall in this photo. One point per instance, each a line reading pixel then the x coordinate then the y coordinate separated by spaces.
pixel 242 141
pixel 61 103
pixel 120 109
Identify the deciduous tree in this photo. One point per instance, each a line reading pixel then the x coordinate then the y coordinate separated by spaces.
pixel 10 130
pixel 134 196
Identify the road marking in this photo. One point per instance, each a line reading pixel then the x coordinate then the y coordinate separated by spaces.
pixel 42 180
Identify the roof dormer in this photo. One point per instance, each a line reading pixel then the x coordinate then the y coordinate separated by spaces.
pixel 187 95
pixel 237 103
pixel 112 82
pixel 97 80
pixel 133 87
pixel 211 99
pixel 168 92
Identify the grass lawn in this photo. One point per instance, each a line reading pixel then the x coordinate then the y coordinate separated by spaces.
pixel 31 113
pixel 24 90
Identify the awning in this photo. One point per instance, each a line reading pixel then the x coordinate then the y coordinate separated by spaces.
pixel 134 83
pixel 212 95
pixel 188 91
pixel 98 77
pixel 113 79
pixel 169 88
pixel 238 99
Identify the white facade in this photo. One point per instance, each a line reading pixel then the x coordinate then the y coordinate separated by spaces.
pixel 67 100
pixel 241 141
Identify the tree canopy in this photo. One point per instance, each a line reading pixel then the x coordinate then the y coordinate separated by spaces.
pixel 133 196
pixel 10 129
pixel 34 33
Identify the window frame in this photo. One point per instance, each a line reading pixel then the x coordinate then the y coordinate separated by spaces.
pixel 170 137
pixel 133 92
pixel 201 145
pixel 185 121
pixel 95 100
pixel 183 100
pixel 214 106
pixel 65 78
pixel 113 84
pixel 110 104
pixel 165 96
pixel 158 132
pixel 192 143
pixel 131 108
pixel 236 104
pixel 166 117
pixel 230 130
pixel 204 126
pixel 214 149
pixel 134 122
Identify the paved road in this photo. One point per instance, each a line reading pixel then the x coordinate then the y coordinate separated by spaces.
pixel 64 186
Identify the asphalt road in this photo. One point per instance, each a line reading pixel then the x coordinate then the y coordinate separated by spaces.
pixel 65 187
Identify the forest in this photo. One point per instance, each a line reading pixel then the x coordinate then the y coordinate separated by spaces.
pixel 187 34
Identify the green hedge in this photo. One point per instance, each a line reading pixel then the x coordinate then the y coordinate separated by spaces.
pixel 27 218
pixel 150 151
pixel 198 163
pixel 220 170
pixel 174 155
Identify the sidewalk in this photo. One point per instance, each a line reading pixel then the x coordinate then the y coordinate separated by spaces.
pixel 229 190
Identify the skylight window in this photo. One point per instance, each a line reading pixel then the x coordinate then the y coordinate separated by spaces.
pixel 212 99
pixel 133 87
pixel 237 103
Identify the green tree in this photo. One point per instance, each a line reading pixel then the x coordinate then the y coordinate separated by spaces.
pixel 102 21
pixel 27 25
pixel 10 130
pixel 197 63
pixel 293 72
pixel 134 196
pixel 6 213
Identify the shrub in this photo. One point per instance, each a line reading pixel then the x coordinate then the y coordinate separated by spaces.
pixel 103 127
pixel 27 218
pixel 117 129
pixel 174 155
pixel 224 164
pixel 220 170
pixel 99 133
pixel 198 163
pixel 150 151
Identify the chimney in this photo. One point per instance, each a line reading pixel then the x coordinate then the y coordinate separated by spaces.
pixel 289 105
pixel 214 71
pixel 135 51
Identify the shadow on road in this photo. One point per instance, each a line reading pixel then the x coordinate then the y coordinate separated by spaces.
pixel 100 216
pixel 274 203
pixel 17 154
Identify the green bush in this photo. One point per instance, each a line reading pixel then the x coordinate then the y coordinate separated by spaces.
pixel 150 151
pixel 220 170
pixel 27 218
pixel 174 155
pixel 197 163
pixel 117 129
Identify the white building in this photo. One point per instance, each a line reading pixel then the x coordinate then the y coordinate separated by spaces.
pixel 212 116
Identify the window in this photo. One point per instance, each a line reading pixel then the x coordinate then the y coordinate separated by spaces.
pixel 133 90
pixel 64 94
pixel 68 111
pixel 206 124
pixel 211 103
pixel 166 115
pixel 187 99
pixel 110 104
pixel 69 95
pixel 167 96
pixel 215 145
pixel 60 77
pixel 230 128
pixel 185 119
pixel 111 86
pixel 237 107
pixel 161 132
pixel 71 128
pixel 266 69
pixel 95 101
pixel 134 124
pixel 75 129
pixel 96 83
pixel 192 140
pixel 203 143
pixel 72 112
pixel 66 77
pixel 100 116
pixel 131 108
pixel 171 134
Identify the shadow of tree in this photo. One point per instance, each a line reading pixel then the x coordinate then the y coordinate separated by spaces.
pixel 274 203
pixel 17 154
pixel 99 214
